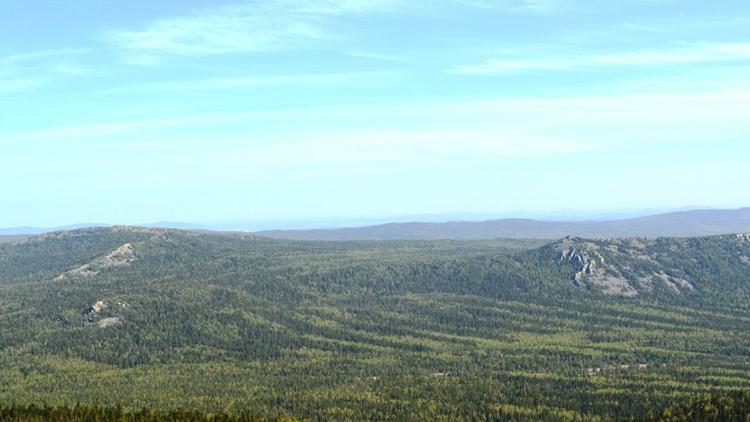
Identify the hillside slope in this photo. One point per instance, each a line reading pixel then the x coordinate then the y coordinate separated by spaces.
pixel 12 238
pixel 439 330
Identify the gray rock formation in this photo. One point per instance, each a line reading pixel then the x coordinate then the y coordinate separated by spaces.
pixel 618 267
pixel 122 256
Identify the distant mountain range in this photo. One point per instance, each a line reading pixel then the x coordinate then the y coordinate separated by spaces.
pixel 26 231
pixel 694 222
pixel 675 224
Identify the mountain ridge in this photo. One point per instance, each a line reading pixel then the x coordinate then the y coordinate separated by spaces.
pixel 261 226
pixel 675 224
pixel 621 266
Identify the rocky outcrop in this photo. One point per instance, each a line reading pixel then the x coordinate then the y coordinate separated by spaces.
pixel 92 314
pixel 676 284
pixel 573 251
pixel 613 284
pixel 109 322
pixel 590 267
pixel 122 256
pixel 619 266
pixel 92 311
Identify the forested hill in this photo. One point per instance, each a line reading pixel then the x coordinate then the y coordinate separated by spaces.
pixel 703 266
pixel 675 224
pixel 504 329
pixel 11 238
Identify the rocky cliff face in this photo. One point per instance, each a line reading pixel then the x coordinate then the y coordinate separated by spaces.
pixel 623 267
pixel 590 266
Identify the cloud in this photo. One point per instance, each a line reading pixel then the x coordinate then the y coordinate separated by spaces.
pixel 252 27
pixel 534 6
pixel 541 5
pixel 100 130
pixel 451 132
pixel 696 53
pixel 35 56
pixel 213 84
pixel 425 146
pixel 72 70
pixel 44 65
pixel 378 56
pixel 680 24
pixel 273 25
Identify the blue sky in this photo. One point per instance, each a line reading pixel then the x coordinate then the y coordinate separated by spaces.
pixel 142 111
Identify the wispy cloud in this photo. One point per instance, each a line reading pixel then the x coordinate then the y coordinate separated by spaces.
pixel 28 71
pixel 679 24
pixel 213 84
pixel 696 53
pixel 85 132
pixel 377 56
pixel 513 5
pixel 541 5
pixel 72 69
pixel 34 56
pixel 424 146
pixel 273 25
pixel 258 26
pixel 442 132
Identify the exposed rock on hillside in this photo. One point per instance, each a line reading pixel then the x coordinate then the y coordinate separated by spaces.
pixel 122 256
pixel 109 322
pixel 92 311
pixel 93 315
pixel 620 266
pixel 587 265
pixel 590 266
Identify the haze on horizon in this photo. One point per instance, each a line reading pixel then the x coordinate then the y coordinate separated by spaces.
pixel 198 111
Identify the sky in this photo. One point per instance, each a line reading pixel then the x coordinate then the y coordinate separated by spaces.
pixel 194 111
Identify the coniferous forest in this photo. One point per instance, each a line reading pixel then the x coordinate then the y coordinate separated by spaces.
pixel 149 324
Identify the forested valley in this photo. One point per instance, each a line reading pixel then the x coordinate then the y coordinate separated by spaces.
pixel 141 324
